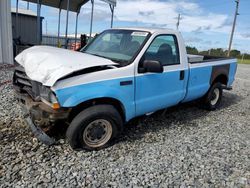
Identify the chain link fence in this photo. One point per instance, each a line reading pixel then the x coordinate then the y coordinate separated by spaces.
pixel 50 40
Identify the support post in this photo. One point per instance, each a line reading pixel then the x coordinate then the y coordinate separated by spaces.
pixel 59 24
pixel 17 30
pixel 67 21
pixel 46 25
pixel 6 45
pixel 233 29
pixel 38 22
pixel 28 5
pixel 91 21
pixel 76 27
pixel 112 8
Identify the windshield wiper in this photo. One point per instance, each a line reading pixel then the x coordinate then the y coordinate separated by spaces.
pixel 119 61
pixel 96 55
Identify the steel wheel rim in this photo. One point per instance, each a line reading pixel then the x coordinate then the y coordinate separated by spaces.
pixel 97 133
pixel 215 96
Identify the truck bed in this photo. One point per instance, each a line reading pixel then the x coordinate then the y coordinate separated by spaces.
pixel 203 71
pixel 193 59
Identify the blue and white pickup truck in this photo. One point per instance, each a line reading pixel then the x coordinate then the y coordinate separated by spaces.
pixel 121 74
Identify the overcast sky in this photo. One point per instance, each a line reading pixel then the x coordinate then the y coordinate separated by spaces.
pixel 204 24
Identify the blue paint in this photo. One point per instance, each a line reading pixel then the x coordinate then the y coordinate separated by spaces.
pixel 148 93
pixel 158 91
pixel 232 72
pixel 72 96
pixel 199 82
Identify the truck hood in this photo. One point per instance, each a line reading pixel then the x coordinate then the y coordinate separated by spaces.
pixel 48 64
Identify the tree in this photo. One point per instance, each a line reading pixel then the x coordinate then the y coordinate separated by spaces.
pixel 235 53
pixel 192 50
pixel 218 52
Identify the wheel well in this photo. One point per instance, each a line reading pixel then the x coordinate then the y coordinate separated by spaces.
pixel 111 101
pixel 221 79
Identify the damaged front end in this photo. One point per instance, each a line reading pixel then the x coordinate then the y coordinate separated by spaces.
pixel 39 104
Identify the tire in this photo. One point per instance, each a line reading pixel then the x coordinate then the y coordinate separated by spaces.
pixel 213 97
pixel 94 128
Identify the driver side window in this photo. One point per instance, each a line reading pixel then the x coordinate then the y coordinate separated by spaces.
pixel 164 49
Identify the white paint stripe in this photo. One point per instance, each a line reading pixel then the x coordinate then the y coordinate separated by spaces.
pixel 212 63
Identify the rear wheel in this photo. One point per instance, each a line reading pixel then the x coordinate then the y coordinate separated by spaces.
pixel 212 99
pixel 94 128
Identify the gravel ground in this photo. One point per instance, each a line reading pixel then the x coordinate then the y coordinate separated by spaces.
pixel 185 146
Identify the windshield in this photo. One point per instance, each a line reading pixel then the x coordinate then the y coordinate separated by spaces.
pixel 117 45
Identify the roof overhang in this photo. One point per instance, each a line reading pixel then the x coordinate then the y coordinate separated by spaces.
pixel 74 6
pixel 111 2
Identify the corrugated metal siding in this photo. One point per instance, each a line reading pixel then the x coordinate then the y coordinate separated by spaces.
pixel 1 52
pixel 6 49
pixel 26 28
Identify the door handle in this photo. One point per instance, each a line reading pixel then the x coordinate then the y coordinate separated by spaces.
pixel 125 83
pixel 182 75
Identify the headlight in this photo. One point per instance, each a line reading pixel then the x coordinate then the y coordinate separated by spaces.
pixel 48 97
pixel 44 92
pixel 52 98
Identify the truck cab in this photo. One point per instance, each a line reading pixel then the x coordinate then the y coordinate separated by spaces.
pixel 122 74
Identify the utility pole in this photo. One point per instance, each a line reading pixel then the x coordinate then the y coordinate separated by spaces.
pixel 178 21
pixel 233 29
pixel 242 59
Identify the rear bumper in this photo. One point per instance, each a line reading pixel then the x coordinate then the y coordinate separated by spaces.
pixel 41 117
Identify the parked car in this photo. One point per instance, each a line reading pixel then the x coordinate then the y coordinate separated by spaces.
pixel 120 75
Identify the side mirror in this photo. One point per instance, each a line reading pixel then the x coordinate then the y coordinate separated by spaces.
pixel 151 66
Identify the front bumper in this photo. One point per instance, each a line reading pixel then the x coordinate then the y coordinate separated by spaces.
pixel 41 117
pixel 39 133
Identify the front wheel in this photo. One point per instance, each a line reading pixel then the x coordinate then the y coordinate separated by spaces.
pixel 94 128
pixel 213 98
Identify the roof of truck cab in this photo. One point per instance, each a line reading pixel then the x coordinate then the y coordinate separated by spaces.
pixel 148 29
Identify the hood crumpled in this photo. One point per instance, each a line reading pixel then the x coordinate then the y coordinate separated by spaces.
pixel 47 64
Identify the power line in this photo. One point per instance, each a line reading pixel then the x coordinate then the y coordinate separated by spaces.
pixel 233 28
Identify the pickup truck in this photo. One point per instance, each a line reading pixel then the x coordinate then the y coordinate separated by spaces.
pixel 121 74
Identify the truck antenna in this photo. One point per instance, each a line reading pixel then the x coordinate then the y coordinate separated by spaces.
pixel 178 21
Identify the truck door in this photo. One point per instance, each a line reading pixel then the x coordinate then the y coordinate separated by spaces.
pixel 156 91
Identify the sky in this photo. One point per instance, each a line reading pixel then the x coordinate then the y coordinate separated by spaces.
pixel 204 24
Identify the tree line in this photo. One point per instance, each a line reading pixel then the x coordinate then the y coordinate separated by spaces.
pixel 218 52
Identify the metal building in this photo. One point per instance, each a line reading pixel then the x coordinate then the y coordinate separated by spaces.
pixel 21 26
pixel 25 28
pixel 6 50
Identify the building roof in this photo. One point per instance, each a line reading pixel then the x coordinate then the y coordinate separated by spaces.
pixel 75 5
pixel 24 11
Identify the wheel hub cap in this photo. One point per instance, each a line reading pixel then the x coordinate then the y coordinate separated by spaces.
pixel 97 133
pixel 215 96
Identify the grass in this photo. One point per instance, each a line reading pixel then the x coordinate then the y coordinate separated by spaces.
pixel 245 61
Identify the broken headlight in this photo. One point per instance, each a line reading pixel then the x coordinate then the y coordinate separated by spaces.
pixel 48 97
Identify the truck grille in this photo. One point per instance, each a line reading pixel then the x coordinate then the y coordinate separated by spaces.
pixel 24 85
pixel 20 77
